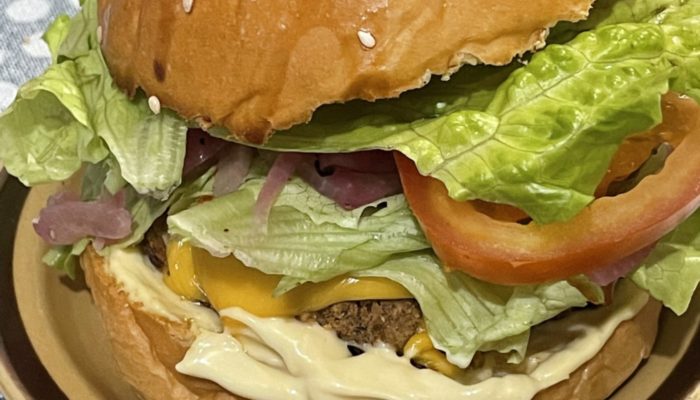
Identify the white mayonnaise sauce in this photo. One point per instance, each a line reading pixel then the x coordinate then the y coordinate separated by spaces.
pixel 144 284
pixel 281 358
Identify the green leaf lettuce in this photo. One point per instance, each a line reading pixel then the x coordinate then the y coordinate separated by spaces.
pixel 547 136
pixel 671 273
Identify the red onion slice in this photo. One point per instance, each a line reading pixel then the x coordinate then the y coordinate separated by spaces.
pixel 62 197
pixel 232 168
pixel 66 220
pixel 351 189
pixel 606 275
pixel 283 168
pixel 343 178
pixel 201 149
pixel 374 161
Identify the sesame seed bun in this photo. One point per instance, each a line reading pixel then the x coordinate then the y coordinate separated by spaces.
pixel 259 66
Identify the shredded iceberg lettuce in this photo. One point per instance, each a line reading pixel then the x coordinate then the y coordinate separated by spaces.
pixel 308 238
pixel 73 114
pixel 464 315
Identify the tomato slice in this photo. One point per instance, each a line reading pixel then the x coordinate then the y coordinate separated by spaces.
pixel 636 149
pixel 608 230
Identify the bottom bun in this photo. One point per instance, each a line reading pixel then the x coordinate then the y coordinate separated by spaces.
pixel 147 347
pixel 600 376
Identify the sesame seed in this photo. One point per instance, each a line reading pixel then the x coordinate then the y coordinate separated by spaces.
pixel 99 34
pixel 366 39
pixel 52 234
pixel 187 5
pixel 154 104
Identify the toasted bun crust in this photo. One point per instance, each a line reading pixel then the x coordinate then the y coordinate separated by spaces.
pixel 259 66
pixel 598 378
pixel 147 348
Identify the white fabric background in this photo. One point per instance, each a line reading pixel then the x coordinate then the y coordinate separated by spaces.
pixel 23 55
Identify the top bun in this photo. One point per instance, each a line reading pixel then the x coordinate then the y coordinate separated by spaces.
pixel 258 66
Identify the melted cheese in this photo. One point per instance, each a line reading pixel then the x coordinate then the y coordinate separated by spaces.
pixel 304 361
pixel 228 283
pixel 144 285
pixel 420 348
pixel 181 277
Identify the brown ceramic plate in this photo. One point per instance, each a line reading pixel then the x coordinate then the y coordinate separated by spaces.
pixel 58 348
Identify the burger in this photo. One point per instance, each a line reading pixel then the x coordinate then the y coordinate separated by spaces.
pixel 371 199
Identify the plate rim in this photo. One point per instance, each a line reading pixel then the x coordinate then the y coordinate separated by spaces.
pixel 22 360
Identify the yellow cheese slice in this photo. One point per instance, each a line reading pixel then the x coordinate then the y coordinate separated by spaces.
pixel 226 282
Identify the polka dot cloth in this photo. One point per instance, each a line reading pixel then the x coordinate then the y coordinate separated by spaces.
pixel 23 55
